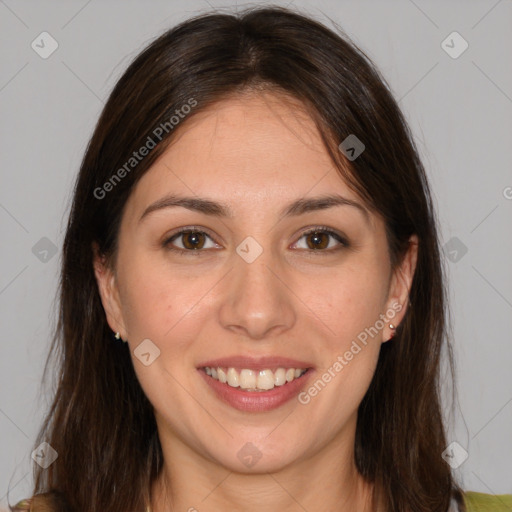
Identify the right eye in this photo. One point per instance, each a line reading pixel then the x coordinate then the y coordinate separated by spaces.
pixel 192 241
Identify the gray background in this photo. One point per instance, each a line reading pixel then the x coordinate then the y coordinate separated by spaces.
pixel 460 113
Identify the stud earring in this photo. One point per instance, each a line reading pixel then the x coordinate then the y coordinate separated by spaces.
pixel 393 328
pixel 118 337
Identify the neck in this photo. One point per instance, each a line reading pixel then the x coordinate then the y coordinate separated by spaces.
pixel 326 481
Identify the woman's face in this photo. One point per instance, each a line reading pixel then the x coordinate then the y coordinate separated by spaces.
pixel 256 293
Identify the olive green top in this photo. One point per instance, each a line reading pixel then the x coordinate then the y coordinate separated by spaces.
pixel 479 502
pixel 475 502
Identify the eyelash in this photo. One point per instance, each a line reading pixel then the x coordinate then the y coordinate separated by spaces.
pixel 196 252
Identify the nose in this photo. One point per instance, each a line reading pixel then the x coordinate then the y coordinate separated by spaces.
pixel 257 300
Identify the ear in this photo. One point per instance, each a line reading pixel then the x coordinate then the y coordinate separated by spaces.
pixel 400 287
pixel 109 292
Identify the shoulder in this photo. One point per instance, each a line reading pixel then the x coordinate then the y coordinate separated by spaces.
pixel 475 502
pixel 480 502
pixel 21 506
pixel 34 504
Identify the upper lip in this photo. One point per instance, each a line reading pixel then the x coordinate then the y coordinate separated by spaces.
pixel 255 363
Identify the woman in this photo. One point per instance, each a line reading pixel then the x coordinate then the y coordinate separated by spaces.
pixel 252 296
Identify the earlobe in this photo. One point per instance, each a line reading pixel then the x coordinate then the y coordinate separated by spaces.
pixel 108 291
pixel 401 283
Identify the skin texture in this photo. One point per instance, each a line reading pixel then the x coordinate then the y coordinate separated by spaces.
pixel 255 153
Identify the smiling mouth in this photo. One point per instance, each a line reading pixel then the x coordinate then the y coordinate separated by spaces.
pixel 254 380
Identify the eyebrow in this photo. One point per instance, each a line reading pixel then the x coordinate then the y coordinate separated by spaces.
pixel 296 208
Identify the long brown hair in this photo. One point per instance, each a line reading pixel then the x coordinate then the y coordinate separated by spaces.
pixel 101 423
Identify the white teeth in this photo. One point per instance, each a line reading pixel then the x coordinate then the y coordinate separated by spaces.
pixel 266 379
pixel 221 375
pixel 247 379
pixel 253 380
pixel 233 379
pixel 280 377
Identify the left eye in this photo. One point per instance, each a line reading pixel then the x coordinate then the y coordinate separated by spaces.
pixel 318 238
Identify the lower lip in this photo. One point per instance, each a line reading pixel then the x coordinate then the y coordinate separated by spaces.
pixel 257 401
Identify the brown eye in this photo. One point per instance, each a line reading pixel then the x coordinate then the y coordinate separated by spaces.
pixel 192 241
pixel 317 240
pixel 320 239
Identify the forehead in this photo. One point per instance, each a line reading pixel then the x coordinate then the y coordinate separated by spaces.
pixel 229 134
pixel 261 150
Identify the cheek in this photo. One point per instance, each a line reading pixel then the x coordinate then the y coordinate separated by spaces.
pixel 159 302
pixel 347 301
